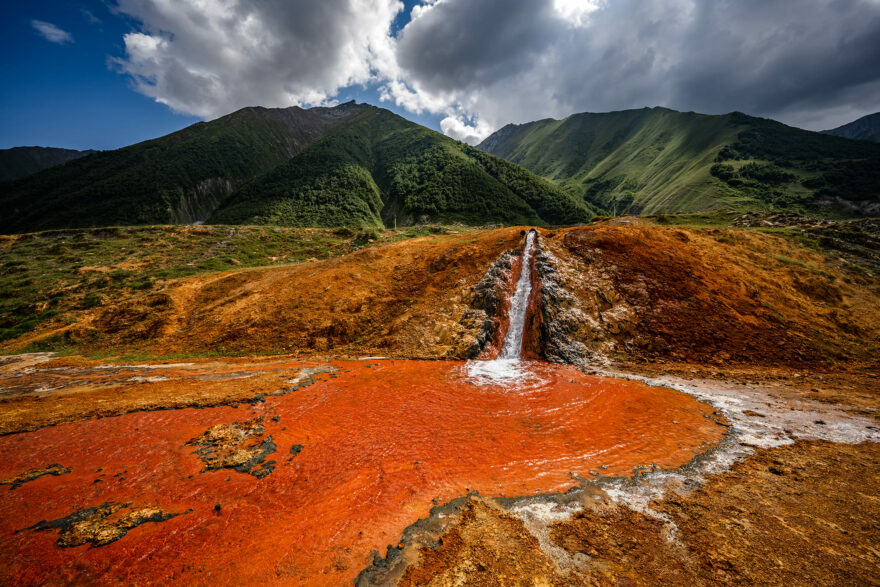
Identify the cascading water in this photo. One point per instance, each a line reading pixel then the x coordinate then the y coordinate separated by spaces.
pixel 508 367
pixel 512 348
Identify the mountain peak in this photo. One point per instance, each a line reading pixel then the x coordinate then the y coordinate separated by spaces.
pixel 866 128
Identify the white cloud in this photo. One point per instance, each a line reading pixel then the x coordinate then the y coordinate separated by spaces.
pixel 482 64
pixel 52 33
pixel 458 128
pixel 576 12
pixel 210 57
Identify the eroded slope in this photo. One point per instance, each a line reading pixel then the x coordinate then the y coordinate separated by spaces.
pixel 608 293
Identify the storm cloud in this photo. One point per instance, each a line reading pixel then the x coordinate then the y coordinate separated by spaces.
pixel 482 64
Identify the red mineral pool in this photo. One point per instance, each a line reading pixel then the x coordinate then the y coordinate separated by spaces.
pixel 354 459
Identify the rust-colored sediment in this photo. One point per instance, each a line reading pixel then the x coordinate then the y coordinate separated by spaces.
pixel 74 389
pixel 358 456
pixel 532 344
pixel 805 514
pixel 637 293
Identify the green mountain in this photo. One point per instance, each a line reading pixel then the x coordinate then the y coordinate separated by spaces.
pixel 380 168
pixel 352 165
pixel 866 128
pixel 178 178
pixel 19 162
pixel 658 160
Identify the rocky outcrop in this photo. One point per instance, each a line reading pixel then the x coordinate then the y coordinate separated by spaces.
pixel 102 525
pixel 488 308
pixel 196 205
pixel 561 316
pixel 581 313
pixel 242 446
pixel 29 475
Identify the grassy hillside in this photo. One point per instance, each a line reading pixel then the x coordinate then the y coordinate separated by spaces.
pixel 658 160
pixel 380 169
pixel 19 162
pixel 179 178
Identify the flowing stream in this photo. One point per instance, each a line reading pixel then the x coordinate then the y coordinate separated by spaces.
pixel 508 367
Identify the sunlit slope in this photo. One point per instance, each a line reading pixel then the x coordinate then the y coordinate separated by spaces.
pixel 608 292
pixel 380 169
pixel 659 160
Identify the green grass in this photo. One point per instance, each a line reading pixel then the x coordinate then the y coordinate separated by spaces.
pixel 656 160
pixel 710 219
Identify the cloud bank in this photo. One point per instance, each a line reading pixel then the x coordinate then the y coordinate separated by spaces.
pixel 482 64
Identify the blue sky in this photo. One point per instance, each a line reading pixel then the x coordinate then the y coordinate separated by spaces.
pixel 464 67
pixel 70 95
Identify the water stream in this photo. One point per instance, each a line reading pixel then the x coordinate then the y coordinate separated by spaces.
pixel 508 367
pixel 355 458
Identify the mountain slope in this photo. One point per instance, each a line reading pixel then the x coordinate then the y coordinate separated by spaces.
pixel 352 165
pixel 866 128
pixel 380 169
pixel 659 160
pixel 178 178
pixel 19 162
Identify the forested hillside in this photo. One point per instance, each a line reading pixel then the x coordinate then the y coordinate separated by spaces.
pixel 351 165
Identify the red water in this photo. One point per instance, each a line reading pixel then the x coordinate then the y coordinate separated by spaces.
pixel 381 442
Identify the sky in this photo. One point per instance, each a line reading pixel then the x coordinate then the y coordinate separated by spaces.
pixel 103 74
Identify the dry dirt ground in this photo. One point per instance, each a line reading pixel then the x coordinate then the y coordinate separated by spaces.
pixel 736 308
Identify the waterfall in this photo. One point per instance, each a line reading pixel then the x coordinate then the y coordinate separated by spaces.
pixel 507 368
pixel 512 348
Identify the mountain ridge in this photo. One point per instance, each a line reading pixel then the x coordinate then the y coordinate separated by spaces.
pixel 179 178
pixel 381 168
pixel 866 128
pixel 19 162
pixel 325 166
pixel 657 160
